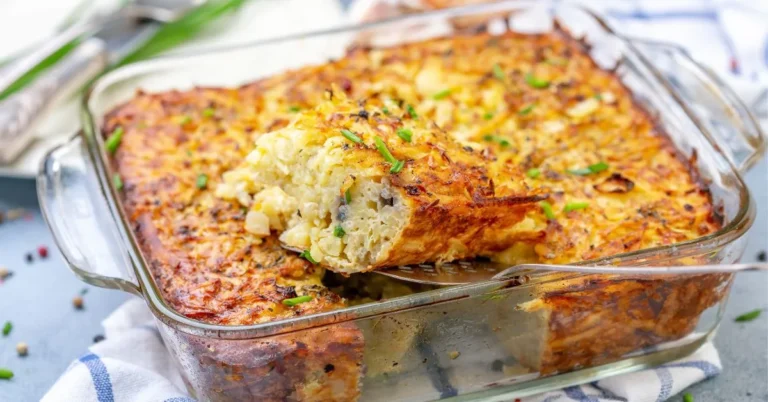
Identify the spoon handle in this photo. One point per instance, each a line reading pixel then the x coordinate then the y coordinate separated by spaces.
pixel 670 270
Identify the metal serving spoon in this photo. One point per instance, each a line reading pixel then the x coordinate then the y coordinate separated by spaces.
pixel 465 272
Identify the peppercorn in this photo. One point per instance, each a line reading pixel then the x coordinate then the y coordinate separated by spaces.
pixel 42 251
pixel 22 349
pixel 78 302
pixel 98 338
pixel 29 257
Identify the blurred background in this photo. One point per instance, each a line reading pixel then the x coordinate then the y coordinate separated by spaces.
pixel 57 316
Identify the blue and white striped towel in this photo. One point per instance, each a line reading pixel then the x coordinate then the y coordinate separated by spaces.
pixel 132 365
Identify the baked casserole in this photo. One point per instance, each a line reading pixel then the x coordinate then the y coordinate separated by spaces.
pixel 535 104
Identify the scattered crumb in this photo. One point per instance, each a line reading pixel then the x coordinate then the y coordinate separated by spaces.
pixel 453 354
pixel 4 273
pixel 22 349
pixel 514 370
pixel 78 302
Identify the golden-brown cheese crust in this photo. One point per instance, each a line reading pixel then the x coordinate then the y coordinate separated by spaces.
pixel 208 268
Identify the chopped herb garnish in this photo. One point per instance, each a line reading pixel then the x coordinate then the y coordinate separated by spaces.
pixel 547 208
pixel 687 397
pixel 6 374
pixel 405 134
pixel 596 168
pixel 528 109
pixel 384 151
pixel 412 112
pixel 533 173
pixel 189 153
pixel 294 109
pixel 556 61
pixel 598 97
pixel 114 140
pixel 488 116
pixel 338 231
pixel 202 181
pixel 498 72
pixel 351 136
pixel 307 256
pixel 573 206
pixel 347 197
pixel 185 120
pixel 536 82
pixel 7 328
pixel 385 110
pixel 495 138
pixel 397 167
pixel 442 94
pixel 117 181
pixel 297 300
pixel 208 112
pixel 746 317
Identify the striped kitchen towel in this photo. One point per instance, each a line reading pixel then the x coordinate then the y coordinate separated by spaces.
pixel 133 365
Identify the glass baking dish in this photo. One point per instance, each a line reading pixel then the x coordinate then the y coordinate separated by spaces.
pixel 537 332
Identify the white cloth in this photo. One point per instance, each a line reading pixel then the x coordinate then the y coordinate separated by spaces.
pixel 132 365
pixel 730 36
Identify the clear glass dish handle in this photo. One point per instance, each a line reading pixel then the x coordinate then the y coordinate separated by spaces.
pixel 718 108
pixel 77 214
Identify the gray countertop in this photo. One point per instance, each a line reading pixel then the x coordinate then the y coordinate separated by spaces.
pixel 38 300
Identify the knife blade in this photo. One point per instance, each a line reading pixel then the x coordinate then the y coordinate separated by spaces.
pixel 20 112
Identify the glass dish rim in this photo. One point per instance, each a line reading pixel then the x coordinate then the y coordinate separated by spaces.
pixel 100 162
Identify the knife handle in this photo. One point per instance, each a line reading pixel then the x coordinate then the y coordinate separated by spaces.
pixel 20 111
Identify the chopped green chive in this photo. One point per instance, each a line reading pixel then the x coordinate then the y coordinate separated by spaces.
pixel 598 97
pixel 556 61
pixel 498 72
pixel 117 181
pixel 397 167
pixel 338 231
pixel 189 153
pixel 202 181
pixel 442 94
pixel 384 151
pixel 7 328
pixel 687 397
pixel 347 197
pixel 746 317
pixel 547 208
pixel 596 168
pixel 297 300
pixel 528 109
pixel 114 140
pixel 385 110
pixel 185 120
pixel 208 112
pixel 405 134
pixel 536 82
pixel 488 116
pixel 495 138
pixel 412 112
pixel 294 109
pixel 307 256
pixel 351 136
pixel 573 206
pixel 6 374
pixel 533 173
